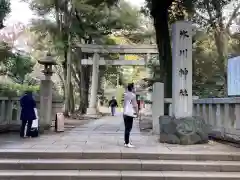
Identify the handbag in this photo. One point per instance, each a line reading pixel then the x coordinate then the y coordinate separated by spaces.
pixel 128 110
pixel 34 129
pixel 35 121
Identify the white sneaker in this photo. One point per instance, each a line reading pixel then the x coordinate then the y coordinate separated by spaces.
pixel 129 145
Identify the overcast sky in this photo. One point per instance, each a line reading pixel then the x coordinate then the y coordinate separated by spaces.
pixel 20 11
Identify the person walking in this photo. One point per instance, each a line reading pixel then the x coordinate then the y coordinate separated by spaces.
pixel 130 111
pixel 27 113
pixel 113 104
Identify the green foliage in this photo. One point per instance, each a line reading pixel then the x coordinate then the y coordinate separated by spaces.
pixel 15 90
pixel 177 9
pixel 205 67
pixel 17 67
pixel 91 21
pixel 5 52
pixel 210 55
pixel 119 94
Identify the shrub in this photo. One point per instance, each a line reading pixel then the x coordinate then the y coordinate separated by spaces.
pixel 13 90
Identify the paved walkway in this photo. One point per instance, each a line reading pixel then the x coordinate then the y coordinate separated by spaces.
pixel 105 134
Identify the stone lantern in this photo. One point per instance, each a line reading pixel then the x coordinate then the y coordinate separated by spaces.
pixel 46 85
pixel 47 62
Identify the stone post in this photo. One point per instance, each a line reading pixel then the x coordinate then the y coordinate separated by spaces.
pixel 92 109
pixel 45 104
pixel 45 115
pixel 182 69
pixel 157 105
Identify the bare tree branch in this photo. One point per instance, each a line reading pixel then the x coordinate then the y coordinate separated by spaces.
pixel 234 15
pixel 202 17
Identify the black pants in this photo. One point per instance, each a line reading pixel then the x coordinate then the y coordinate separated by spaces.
pixel 128 122
pixel 23 125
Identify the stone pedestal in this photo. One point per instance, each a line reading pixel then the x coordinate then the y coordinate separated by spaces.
pixel 157 105
pixel 92 109
pixel 182 69
pixel 46 104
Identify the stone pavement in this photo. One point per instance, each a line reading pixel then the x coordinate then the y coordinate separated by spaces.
pixel 105 134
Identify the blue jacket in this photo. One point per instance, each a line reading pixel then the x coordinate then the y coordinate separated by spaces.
pixel 28 104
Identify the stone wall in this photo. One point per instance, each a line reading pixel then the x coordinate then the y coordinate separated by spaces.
pixel 10 112
pixel 221 114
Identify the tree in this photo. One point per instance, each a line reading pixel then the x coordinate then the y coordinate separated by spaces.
pixel 91 22
pixel 15 64
pixel 206 83
pixel 5 10
pixel 166 11
pixel 5 51
pixel 163 12
pixel 210 14
pixel 12 34
pixel 17 67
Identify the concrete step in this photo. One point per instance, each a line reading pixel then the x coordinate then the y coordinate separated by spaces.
pixel 116 175
pixel 119 164
pixel 134 154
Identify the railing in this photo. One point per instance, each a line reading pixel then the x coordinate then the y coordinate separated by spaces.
pixel 222 115
pixel 10 112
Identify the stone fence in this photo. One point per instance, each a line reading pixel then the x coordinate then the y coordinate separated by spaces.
pixel 10 112
pixel 222 115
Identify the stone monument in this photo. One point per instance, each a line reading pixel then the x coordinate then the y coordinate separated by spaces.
pixel 46 93
pixel 182 69
pixel 181 127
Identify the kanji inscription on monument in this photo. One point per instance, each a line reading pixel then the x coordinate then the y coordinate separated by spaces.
pixel 182 69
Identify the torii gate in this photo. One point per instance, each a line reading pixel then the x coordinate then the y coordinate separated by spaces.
pixel 97 50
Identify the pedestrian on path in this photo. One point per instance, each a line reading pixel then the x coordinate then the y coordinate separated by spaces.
pixel 113 104
pixel 28 105
pixel 130 111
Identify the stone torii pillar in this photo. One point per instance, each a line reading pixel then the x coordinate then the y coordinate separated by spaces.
pixel 92 108
pixel 46 93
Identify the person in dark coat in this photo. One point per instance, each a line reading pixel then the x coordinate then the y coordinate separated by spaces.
pixel 27 113
pixel 113 104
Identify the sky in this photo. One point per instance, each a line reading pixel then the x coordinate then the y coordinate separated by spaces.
pixel 20 11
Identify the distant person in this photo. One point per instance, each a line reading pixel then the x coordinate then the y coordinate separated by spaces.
pixel 113 104
pixel 28 114
pixel 138 101
pixel 130 111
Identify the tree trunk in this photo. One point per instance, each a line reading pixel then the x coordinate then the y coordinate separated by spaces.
pixel 61 20
pixel 59 72
pixel 71 99
pixel 101 79
pixel 68 77
pixel 221 45
pixel 164 48
pixel 68 47
pixel 85 81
